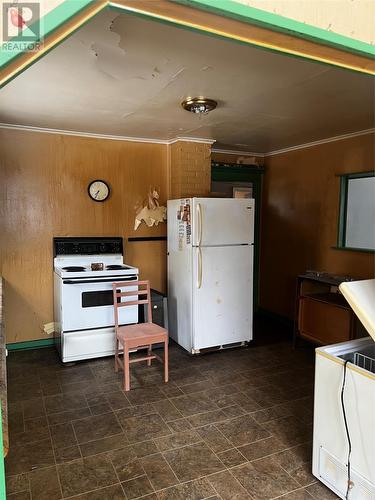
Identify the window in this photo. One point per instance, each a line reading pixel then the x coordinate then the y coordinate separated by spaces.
pixel 357 212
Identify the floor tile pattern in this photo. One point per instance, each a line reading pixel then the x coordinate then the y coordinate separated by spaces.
pixel 234 424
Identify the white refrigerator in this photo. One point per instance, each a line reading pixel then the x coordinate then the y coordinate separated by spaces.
pixel 210 272
pixel 344 405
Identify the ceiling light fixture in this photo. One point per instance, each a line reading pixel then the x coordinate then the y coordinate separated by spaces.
pixel 199 105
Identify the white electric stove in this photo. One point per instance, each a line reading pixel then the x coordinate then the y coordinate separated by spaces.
pixel 83 297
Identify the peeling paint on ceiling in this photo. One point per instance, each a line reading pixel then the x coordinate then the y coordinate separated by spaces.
pixel 123 75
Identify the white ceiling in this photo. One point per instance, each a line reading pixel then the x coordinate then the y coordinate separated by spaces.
pixel 123 75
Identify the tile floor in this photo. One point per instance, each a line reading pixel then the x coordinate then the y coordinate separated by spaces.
pixel 229 425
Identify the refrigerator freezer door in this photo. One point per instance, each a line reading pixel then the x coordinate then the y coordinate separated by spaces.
pixel 179 279
pixel 222 295
pixel 222 221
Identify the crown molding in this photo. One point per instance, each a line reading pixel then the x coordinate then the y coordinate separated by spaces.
pixel 237 153
pixel 191 139
pixel 321 141
pixel 29 128
pixel 199 140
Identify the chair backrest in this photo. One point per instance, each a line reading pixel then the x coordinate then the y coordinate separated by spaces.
pixel 139 289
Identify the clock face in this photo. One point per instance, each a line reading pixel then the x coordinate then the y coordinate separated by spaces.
pixel 98 190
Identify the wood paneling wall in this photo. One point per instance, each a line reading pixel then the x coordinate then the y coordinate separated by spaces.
pixel 300 214
pixel 43 193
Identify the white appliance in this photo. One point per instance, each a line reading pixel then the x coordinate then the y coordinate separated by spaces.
pixel 210 271
pixel 83 298
pixel 347 371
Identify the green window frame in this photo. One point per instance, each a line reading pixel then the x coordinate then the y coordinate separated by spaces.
pixel 343 210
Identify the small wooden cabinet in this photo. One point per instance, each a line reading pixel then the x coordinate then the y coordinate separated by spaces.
pixel 323 316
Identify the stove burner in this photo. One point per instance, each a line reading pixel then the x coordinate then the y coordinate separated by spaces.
pixel 113 267
pixel 72 269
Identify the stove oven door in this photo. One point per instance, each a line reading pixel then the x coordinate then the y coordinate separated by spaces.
pixel 88 303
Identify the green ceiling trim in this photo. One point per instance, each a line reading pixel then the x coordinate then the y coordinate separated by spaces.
pixel 49 23
pixel 258 17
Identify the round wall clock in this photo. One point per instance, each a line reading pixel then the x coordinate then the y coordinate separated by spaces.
pixel 98 190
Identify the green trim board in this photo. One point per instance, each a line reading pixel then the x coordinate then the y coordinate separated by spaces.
pixel 358 175
pixel 233 172
pixel 275 22
pixel 236 168
pixel 2 468
pixel 343 209
pixel 30 344
pixel 24 68
pixel 48 25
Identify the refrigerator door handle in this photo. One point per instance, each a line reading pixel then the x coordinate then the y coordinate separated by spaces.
pixel 199 216
pixel 200 270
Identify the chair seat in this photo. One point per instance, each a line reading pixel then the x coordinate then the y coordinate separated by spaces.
pixel 140 336
pixel 144 333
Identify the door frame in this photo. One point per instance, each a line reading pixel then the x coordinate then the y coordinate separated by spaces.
pixel 232 172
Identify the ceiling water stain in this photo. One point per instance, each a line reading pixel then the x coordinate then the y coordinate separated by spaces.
pixel 118 27
pixel 105 61
pixel 109 53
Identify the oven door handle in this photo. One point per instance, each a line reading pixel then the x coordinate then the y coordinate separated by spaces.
pixel 80 282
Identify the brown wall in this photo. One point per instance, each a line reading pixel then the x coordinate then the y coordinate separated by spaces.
pixel 299 218
pixel 43 193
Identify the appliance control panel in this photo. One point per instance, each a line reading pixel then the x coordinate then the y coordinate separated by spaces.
pixel 87 246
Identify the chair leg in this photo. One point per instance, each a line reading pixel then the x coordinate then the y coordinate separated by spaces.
pixel 166 360
pixel 116 356
pixel 149 352
pixel 126 369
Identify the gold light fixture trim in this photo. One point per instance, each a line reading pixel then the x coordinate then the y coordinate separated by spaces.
pixel 199 105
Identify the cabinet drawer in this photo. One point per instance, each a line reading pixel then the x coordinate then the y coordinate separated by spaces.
pixel 324 322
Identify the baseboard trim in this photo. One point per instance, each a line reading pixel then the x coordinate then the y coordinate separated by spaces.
pixel 41 343
pixel 30 344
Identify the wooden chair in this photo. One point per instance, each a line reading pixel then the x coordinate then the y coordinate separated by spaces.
pixel 140 335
